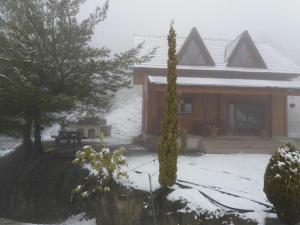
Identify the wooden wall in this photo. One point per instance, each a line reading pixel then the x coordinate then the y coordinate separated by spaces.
pixel 217 109
pixel 279 116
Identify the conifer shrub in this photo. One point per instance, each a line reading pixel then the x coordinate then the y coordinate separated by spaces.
pixel 282 183
pixel 167 147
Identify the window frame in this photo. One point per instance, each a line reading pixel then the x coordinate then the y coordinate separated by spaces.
pixel 186 100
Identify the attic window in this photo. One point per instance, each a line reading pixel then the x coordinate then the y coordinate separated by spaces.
pixel 193 56
pixel 243 58
pixel 242 52
pixel 194 52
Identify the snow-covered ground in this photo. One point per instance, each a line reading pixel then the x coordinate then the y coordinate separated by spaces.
pixel 235 181
pixel 8 144
pixel 73 220
pixel 125 115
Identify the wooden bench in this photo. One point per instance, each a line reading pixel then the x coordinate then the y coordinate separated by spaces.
pixel 75 136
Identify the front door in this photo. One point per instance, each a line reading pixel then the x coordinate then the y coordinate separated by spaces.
pixel 247 118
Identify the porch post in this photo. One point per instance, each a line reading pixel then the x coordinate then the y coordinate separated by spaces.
pixel 205 100
pixel 269 116
pixel 219 106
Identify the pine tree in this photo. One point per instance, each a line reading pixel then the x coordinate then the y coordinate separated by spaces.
pixel 167 148
pixel 44 41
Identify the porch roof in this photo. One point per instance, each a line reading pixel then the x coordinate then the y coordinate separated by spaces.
pixel 288 85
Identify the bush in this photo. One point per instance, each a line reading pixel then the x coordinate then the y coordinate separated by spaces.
pixel 282 183
pixel 105 166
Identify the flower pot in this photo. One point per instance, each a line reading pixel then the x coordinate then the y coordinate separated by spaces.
pixel 213 131
pixel 262 133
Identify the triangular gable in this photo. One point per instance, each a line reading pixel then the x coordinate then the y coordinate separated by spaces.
pixel 194 52
pixel 242 52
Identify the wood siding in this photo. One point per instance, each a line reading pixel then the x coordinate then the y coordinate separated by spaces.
pixel 213 106
pixel 279 116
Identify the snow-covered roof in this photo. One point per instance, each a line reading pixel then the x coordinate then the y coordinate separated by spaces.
pixel 274 60
pixel 220 82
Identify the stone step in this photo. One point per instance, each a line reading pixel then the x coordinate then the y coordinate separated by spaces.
pixel 235 146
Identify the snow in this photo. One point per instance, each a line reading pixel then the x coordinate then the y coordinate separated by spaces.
pixel 72 220
pixel 275 61
pixel 219 82
pixel 195 201
pixel 126 115
pixel 8 144
pixel 235 181
pixel 48 132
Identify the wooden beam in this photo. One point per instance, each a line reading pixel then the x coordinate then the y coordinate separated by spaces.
pixel 230 90
pixel 286 116
pixel 219 106
pixel 205 114
pixel 270 116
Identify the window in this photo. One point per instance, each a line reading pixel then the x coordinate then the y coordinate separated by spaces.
pixel 91 133
pixel 193 56
pixel 243 58
pixel 81 131
pixel 186 105
pixel 247 118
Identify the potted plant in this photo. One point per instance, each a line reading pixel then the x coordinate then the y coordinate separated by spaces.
pixel 262 132
pixel 213 131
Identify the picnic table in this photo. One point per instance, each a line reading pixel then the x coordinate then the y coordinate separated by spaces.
pixel 75 136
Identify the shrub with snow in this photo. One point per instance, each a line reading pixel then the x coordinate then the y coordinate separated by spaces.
pixel 105 166
pixel 282 183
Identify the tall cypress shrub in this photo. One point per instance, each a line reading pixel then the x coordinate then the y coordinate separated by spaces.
pixel 167 148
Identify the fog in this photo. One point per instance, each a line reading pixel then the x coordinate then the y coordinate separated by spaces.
pixel 276 22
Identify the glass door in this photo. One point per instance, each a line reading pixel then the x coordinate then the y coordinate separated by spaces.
pixel 247 118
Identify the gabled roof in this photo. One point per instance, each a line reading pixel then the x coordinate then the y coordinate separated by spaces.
pixel 200 55
pixel 274 60
pixel 250 53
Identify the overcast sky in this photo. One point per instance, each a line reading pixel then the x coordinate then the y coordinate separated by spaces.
pixel 276 22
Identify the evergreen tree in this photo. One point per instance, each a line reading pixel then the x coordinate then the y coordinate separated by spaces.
pixel 167 148
pixel 48 47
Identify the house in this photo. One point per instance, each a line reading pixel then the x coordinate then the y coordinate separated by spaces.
pixel 90 127
pixel 227 87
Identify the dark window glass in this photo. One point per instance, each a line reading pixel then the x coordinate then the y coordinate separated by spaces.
pixel 186 105
pixel 193 56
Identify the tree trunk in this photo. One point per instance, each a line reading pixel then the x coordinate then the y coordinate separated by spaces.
pixel 37 134
pixel 27 142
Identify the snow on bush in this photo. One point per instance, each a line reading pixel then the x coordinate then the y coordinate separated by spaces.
pixel 282 183
pixel 105 166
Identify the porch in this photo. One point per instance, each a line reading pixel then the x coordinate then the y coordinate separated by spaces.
pixel 215 115
pixel 225 144
pixel 213 107
pixel 212 115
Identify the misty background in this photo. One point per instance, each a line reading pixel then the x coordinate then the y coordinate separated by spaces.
pixel 276 22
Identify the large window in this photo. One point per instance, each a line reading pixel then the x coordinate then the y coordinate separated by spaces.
pixel 193 56
pixel 247 118
pixel 186 105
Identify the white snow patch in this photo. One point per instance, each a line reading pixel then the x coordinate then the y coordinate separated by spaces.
pixel 235 181
pixel 125 116
pixel 50 131
pixel 196 201
pixel 72 220
pixel 8 144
